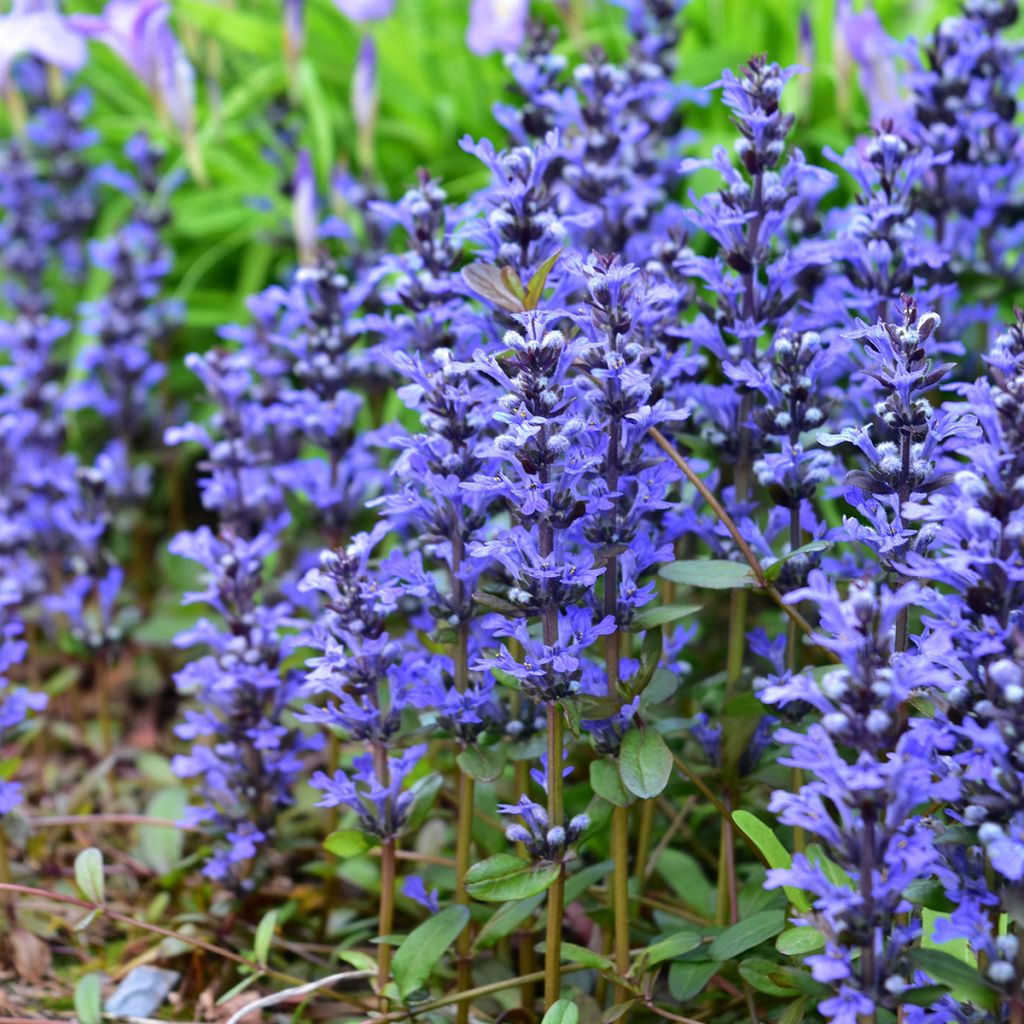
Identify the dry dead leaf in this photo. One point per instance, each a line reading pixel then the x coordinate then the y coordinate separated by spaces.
pixel 30 955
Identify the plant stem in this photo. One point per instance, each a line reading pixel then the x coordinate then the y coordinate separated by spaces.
pixel 612 647
pixel 752 560
pixel 463 844
pixel 867 892
pixel 556 894
pixel 464 814
pixel 103 694
pixel 620 895
pixel 387 885
pixel 643 841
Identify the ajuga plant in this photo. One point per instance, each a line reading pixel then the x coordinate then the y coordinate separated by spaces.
pixel 963 102
pixel 246 755
pixel 862 807
pixel 16 702
pixel 972 628
pixel 545 460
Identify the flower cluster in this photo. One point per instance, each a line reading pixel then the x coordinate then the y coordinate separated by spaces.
pixel 870 767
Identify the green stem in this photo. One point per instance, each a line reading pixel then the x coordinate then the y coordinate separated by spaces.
pixel 464 814
pixel 620 895
pixel 386 924
pixel 556 894
pixel 756 569
pixel 463 844
pixel 643 841
pixel 103 694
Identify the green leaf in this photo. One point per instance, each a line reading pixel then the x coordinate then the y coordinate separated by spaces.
pixel 709 573
pixel 507 877
pixel 347 842
pixel 606 783
pixel 833 872
pixel 670 948
pixel 581 955
pixel 687 879
pixel 424 793
pixel 795 1012
pixel 576 885
pixel 774 571
pixel 562 1011
pixel 746 934
pixel 662 615
pixel 260 36
pixel 264 936
pixel 424 946
pixel 593 708
pixel 506 920
pixel 650 655
pixel 358 959
pixel 88 999
pixel 662 686
pixel 963 980
pixel 618 1011
pixel 645 763
pixel 687 977
pixel 766 976
pixel 89 874
pixel 800 941
pixel 485 764
pixel 162 847
pixel 535 287
pixel 777 856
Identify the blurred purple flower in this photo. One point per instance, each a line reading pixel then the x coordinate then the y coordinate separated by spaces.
pixel 860 39
pixel 31 29
pixel 294 26
pixel 497 25
pixel 140 32
pixel 365 10
pixel 304 220
pixel 364 86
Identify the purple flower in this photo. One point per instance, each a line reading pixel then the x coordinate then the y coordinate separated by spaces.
pixel 41 33
pixel 365 10
pixel 140 32
pixel 304 209
pixel 496 25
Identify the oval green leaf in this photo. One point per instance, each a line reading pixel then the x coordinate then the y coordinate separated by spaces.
pixel 606 783
pixel 89 874
pixel 485 764
pixel 746 934
pixel 645 763
pixel 709 573
pixel 424 946
pixel 562 1011
pixel 505 877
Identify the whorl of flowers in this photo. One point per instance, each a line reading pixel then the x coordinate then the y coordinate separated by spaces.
pixel 964 103
pixel 762 268
pixel 911 454
pixel 131 323
pixel 882 243
pixel 869 769
pixel 245 757
pixel 974 627
pixel 16 702
pixel 48 202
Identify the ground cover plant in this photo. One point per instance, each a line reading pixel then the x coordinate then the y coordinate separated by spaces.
pixel 511 511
